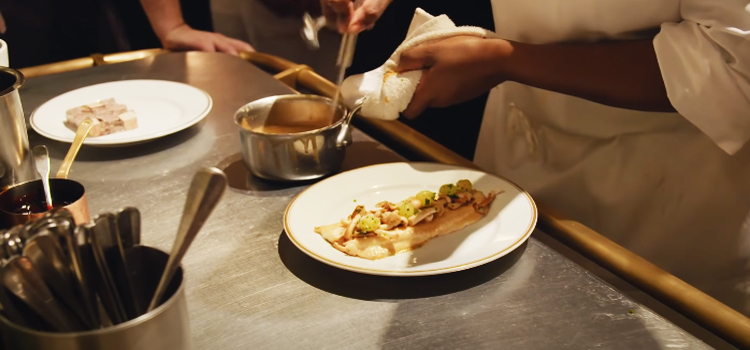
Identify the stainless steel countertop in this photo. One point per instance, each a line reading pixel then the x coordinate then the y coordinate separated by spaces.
pixel 249 287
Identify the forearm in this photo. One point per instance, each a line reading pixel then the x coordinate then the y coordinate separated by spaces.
pixel 164 15
pixel 623 74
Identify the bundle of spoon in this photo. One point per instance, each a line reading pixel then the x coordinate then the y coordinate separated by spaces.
pixel 61 277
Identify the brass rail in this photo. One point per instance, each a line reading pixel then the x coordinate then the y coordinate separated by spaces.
pixel 715 316
pixel 86 62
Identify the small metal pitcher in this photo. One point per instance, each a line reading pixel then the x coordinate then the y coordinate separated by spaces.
pixel 16 164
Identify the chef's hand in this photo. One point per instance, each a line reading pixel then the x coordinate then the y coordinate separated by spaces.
pixel 456 69
pixel 342 15
pixel 185 38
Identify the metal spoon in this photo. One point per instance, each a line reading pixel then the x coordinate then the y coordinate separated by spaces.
pixel 12 242
pixel 21 278
pixel 41 160
pixel 128 236
pixel 205 191
pixel 118 265
pixel 129 227
pixel 14 312
pixel 346 52
pixel 88 273
pixel 66 235
pixel 81 133
pixel 47 256
pixel 310 30
pixel 101 241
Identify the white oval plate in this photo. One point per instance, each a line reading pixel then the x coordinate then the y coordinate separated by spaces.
pixel 161 107
pixel 509 223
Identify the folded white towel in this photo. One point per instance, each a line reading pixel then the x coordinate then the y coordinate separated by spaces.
pixel 385 94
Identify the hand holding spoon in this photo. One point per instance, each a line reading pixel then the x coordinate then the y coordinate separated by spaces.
pixel 41 160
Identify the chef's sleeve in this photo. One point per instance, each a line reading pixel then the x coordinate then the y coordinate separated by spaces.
pixel 705 63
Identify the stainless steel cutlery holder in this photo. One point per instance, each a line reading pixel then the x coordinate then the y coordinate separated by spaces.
pixel 68 287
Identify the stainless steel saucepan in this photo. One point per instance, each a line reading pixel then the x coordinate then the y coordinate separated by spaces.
pixel 293 137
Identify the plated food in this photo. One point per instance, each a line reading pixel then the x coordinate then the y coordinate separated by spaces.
pixel 107 115
pixel 162 108
pixel 508 224
pixel 392 228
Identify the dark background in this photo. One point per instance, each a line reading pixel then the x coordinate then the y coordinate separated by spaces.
pixel 45 31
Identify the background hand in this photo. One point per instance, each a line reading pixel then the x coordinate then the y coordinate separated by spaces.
pixel 346 19
pixel 456 69
pixel 185 38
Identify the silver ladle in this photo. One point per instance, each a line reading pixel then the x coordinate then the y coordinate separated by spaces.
pixel 205 191
pixel 311 27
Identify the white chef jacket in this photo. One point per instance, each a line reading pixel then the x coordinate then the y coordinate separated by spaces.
pixel 673 188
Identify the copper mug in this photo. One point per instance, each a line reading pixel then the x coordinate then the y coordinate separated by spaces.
pixel 25 201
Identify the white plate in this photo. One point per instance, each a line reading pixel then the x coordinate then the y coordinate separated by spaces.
pixel 509 223
pixel 162 108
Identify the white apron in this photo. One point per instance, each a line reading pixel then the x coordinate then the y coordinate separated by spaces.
pixel 652 182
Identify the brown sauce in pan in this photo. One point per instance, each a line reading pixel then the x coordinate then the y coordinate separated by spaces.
pixel 285 129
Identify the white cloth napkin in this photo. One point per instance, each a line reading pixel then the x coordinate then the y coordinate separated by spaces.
pixel 386 93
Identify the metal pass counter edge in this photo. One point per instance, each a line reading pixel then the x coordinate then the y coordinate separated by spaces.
pixel 666 288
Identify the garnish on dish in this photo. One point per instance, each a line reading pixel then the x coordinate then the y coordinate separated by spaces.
pixel 107 115
pixel 393 228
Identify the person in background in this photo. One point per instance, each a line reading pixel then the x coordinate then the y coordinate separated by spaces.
pixel 630 116
pixel 271 26
pixel 167 21
pixel 346 19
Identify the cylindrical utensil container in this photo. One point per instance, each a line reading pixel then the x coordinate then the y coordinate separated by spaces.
pixel 166 327
pixel 15 159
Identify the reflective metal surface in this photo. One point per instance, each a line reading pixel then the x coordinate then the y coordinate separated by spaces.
pixel 15 158
pixel 263 293
pixel 166 327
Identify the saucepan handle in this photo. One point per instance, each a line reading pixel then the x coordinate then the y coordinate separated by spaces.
pixel 344 138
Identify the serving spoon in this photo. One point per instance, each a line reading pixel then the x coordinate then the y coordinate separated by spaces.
pixel 83 130
pixel 45 253
pixel 20 278
pixel 205 191
pixel 310 30
pixel 41 160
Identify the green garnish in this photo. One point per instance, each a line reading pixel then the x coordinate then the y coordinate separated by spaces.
pixel 448 190
pixel 425 197
pixel 464 185
pixel 368 223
